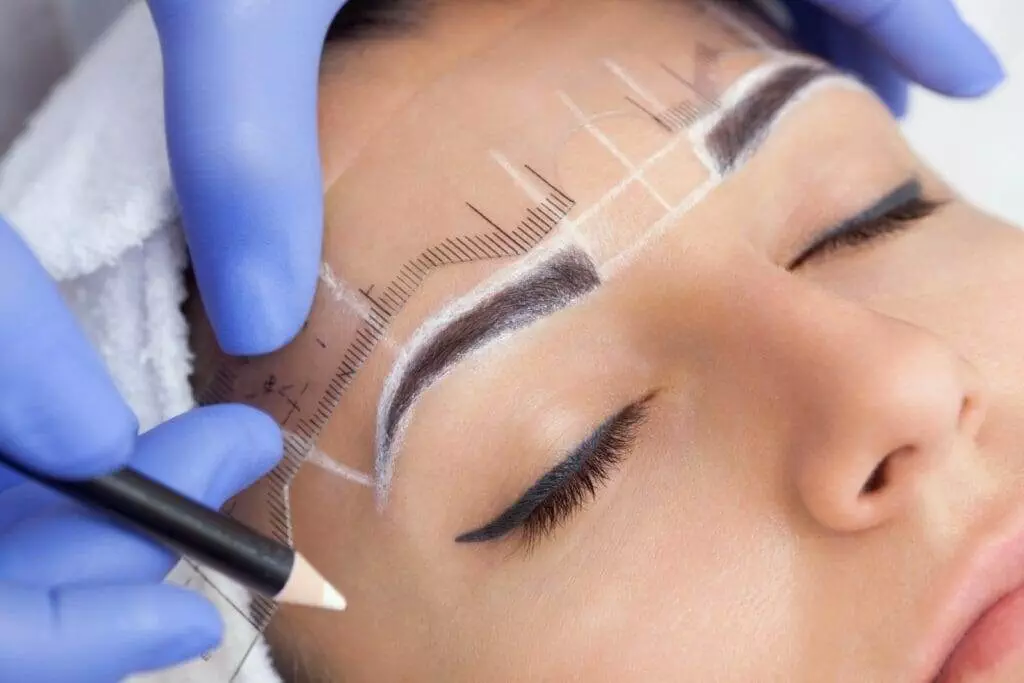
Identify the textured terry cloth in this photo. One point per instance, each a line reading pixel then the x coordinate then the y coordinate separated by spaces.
pixel 88 186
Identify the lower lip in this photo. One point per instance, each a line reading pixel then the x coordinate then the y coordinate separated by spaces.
pixel 990 641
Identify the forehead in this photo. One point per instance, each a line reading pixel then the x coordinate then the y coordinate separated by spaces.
pixel 569 127
pixel 578 109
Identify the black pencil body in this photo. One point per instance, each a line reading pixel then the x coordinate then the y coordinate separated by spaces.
pixel 207 536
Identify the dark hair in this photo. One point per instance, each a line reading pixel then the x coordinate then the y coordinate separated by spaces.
pixel 367 18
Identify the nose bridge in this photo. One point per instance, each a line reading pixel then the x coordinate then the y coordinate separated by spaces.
pixel 862 403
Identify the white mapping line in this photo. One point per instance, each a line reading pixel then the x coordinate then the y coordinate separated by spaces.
pixel 610 146
pixel 286 497
pixel 691 200
pixel 341 293
pixel 328 464
pixel 315 456
pixel 344 294
pixel 632 84
pixel 525 185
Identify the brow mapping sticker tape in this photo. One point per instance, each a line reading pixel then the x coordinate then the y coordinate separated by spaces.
pixel 428 330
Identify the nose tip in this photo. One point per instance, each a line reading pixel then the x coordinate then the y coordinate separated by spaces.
pixel 888 422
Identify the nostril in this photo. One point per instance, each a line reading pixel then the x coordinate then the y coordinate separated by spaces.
pixel 878 479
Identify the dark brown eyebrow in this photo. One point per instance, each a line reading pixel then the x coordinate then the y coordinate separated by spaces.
pixel 554 285
pixel 743 129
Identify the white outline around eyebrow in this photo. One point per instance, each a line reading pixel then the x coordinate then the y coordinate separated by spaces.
pixel 555 283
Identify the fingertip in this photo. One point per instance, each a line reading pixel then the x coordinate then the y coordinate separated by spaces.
pixel 258 448
pixel 255 309
pixel 935 47
pixel 211 452
pixel 251 429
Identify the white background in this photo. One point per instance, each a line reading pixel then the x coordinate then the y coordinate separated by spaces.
pixel 978 145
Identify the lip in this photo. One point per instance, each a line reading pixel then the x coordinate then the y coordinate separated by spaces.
pixel 991 571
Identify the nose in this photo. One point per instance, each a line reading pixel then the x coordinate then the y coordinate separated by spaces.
pixel 884 403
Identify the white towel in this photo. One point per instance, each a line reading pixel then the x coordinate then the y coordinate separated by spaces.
pixel 89 188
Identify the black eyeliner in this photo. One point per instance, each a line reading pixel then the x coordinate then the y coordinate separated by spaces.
pixel 554 480
pixel 904 195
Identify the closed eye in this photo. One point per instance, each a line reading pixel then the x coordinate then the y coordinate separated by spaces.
pixel 569 485
pixel 898 211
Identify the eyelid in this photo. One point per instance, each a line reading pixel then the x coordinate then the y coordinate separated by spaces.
pixel 574 477
pixel 910 207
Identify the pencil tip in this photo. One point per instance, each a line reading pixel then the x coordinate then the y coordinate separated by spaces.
pixel 307 586
pixel 333 599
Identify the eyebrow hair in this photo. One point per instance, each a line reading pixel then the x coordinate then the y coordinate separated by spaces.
pixel 742 129
pixel 552 286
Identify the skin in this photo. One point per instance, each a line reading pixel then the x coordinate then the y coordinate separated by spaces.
pixel 736 541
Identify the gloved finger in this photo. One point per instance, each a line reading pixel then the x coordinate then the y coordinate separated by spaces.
pixel 927 39
pixel 31 500
pixel 59 410
pixel 244 156
pixel 207 454
pixel 853 51
pixel 9 479
pixel 100 634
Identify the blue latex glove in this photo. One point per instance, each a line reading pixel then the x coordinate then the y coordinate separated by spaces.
pixel 80 599
pixel 240 86
pixel 888 42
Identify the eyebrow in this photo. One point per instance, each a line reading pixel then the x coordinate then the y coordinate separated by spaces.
pixel 742 129
pixel 551 286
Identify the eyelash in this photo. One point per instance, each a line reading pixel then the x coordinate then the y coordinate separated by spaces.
pixel 897 219
pixel 615 439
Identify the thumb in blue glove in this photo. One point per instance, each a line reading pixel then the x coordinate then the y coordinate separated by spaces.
pixel 887 42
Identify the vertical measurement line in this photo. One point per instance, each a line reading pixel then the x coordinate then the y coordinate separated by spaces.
pixel 556 201
pixel 542 219
pixel 532 230
pixel 495 226
pixel 365 336
pixel 496 245
pixel 411 284
pixel 544 180
pixel 399 285
pixel 452 254
pixel 456 249
pixel 547 212
pixel 469 248
pixel 417 268
pixel 523 235
pixel 439 256
pixel 538 225
pixel 395 294
pixel 654 117
pixel 483 246
pixel 411 273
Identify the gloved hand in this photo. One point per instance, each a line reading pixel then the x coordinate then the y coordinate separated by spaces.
pixel 80 599
pixel 240 87
pixel 887 42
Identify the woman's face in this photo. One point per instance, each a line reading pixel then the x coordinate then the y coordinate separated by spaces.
pixel 667 358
